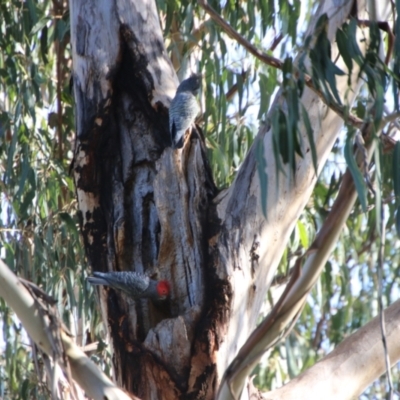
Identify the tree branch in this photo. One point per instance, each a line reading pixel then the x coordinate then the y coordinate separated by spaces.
pixel 357 361
pixel 384 26
pixel 36 320
pixel 286 311
pixel 276 63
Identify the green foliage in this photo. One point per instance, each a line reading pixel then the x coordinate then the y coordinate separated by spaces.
pixel 346 298
pixel 229 96
pixel 39 235
pixel 324 70
pixel 396 183
pixel 38 226
pixel 355 172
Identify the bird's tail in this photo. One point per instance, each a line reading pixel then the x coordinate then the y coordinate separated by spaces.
pixel 178 144
pixel 97 279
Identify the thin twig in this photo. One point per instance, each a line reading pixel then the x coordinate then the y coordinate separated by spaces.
pixel 388 144
pixel 383 26
pixel 276 63
pixel 275 42
pixel 390 118
pixel 37 292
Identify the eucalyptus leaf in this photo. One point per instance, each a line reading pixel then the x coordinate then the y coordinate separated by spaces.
pixel 396 172
pixel 355 173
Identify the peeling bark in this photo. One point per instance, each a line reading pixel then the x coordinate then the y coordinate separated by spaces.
pixel 143 206
pixel 148 208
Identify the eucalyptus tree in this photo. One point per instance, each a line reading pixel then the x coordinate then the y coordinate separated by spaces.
pixel 227 219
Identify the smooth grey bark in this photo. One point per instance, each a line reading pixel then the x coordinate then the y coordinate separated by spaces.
pixel 351 367
pixel 44 327
pixel 249 246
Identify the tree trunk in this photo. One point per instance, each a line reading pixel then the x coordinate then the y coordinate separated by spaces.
pixel 148 208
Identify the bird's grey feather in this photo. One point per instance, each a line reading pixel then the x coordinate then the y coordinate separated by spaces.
pixel 129 282
pixel 96 281
pixel 184 109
